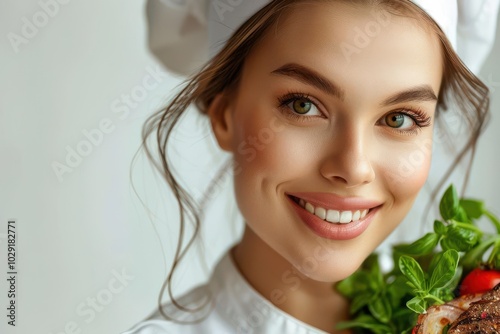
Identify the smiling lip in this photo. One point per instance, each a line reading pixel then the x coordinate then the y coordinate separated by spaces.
pixel 334 202
pixel 328 201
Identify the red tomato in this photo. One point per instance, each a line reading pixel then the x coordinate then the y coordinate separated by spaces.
pixel 479 280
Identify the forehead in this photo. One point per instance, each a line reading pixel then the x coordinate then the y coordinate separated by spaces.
pixel 348 43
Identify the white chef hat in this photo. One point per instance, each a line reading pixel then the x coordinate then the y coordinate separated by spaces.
pixel 184 34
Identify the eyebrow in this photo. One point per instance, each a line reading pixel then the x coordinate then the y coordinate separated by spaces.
pixel 421 93
pixel 308 76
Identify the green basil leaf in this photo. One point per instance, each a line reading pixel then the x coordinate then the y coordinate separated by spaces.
pixel 396 290
pixel 412 271
pixel 404 319
pixel 422 246
pixel 444 271
pixel 352 285
pixel 462 216
pixel 474 257
pixel 361 300
pixel 473 208
pixel 439 227
pixel 454 282
pixel 444 294
pixel 459 238
pixel 447 243
pixel 367 322
pixel 376 278
pixel 381 309
pixel 434 262
pixel 449 205
pixel 447 293
pixel 370 261
pixel 417 305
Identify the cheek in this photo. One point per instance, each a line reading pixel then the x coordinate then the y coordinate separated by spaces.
pixel 260 154
pixel 407 168
pixel 265 146
pixel 255 148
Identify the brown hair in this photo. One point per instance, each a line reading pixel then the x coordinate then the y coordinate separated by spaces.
pixel 223 72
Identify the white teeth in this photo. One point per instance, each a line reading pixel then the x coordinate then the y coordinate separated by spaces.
pixel 309 207
pixel 356 216
pixel 345 217
pixel 334 216
pixel 320 212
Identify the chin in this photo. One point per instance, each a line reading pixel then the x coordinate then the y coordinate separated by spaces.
pixel 328 265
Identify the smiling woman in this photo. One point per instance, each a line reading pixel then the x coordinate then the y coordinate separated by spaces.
pixel 323 187
pixel 337 128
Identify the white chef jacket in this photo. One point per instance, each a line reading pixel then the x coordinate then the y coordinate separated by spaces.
pixel 236 308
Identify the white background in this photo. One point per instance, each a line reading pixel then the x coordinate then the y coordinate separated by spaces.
pixel 77 233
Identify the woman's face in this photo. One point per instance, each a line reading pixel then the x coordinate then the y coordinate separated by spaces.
pixel 335 106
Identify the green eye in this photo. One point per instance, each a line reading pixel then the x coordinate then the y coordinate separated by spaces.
pixel 395 120
pixel 302 106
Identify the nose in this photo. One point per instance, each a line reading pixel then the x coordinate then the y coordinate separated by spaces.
pixel 348 160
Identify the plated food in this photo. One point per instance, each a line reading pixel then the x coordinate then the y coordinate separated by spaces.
pixel 471 313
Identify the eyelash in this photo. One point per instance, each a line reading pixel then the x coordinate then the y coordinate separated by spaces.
pixel 285 100
pixel 417 115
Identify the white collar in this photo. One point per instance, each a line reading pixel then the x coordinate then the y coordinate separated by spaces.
pixel 245 308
